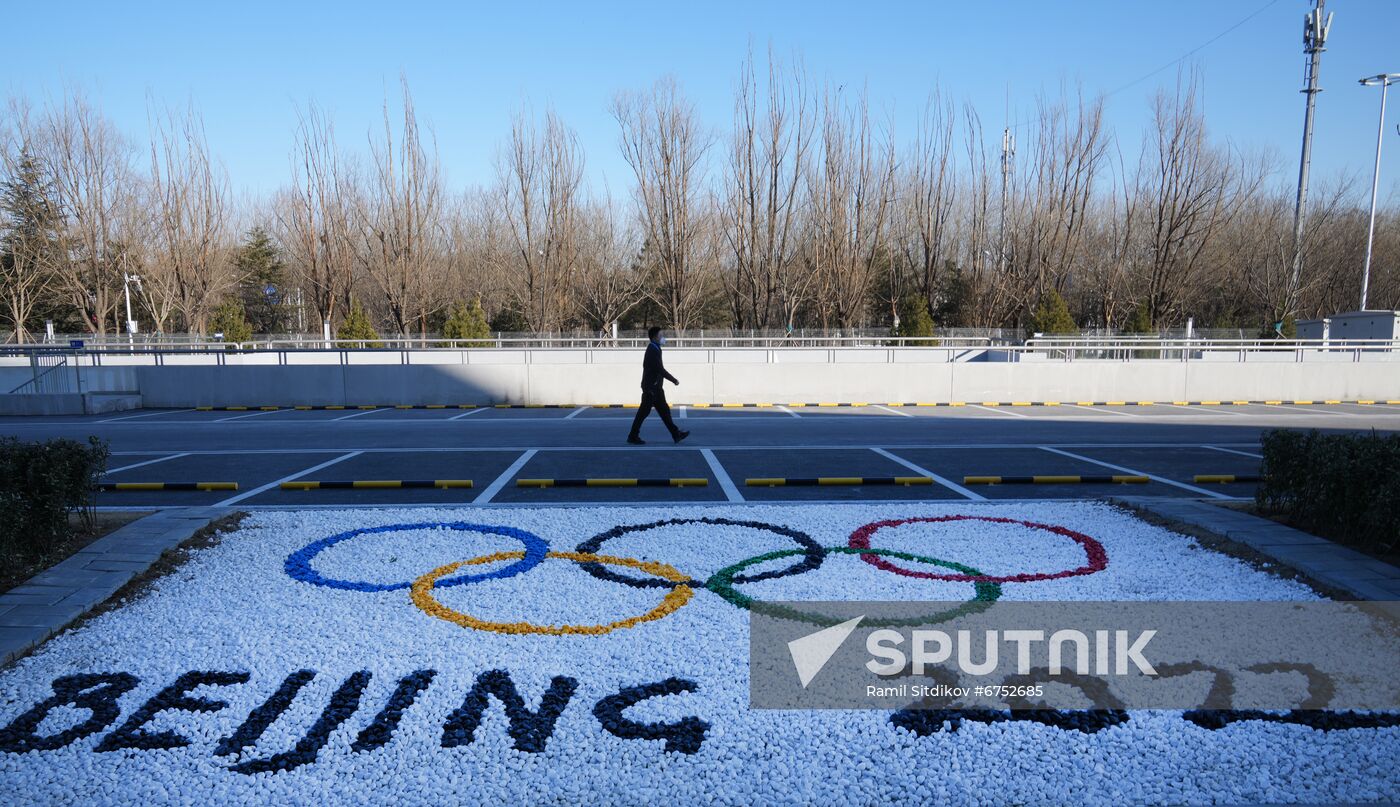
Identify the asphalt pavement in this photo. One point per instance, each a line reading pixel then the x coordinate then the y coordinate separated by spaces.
pixel 494 448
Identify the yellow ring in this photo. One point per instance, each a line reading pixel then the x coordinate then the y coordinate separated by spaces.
pixel 422 594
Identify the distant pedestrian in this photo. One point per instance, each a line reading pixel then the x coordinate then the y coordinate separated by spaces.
pixel 653 396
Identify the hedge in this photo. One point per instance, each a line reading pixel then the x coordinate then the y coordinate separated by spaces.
pixel 1345 487
pixel 40 485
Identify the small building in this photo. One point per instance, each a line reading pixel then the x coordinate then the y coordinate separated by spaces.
pixel 1352 325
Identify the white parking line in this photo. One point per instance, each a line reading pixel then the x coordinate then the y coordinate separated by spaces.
pixel 1121 469
pixel 1293 408
pixel 145 415
pixel 685 411
pixel 1098 409
pixel 790 412
pixel 509 449
pixel 893 411
pixel 270 485
pixel 253 415
pixel 731 492
pixel 1234 451
pixel 998 410
pixel 505 477
pixel 1214 410
pixel 577 412
pixel 466 414
pixel 360 414
pixel 950 485
pixel 147 462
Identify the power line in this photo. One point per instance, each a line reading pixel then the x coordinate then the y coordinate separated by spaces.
pixel 1188 54
pixel 1194 50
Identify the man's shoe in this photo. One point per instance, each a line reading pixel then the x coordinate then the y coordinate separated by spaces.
pixel 679 436
pixel 637 441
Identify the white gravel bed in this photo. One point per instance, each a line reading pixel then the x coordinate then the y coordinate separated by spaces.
pixel 234 608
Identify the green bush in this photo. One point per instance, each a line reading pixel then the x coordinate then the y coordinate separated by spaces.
pixel 1141 321
pixel 1341 486
pixel 229 320
pixel 1052 316
pixel 40 484
pixel 915 320
pixel 357 328
pixel 466 322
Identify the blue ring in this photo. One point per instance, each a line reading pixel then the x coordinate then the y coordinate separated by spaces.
pixel 298 564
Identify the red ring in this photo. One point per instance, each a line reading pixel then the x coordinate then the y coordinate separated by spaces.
pixel 1093 551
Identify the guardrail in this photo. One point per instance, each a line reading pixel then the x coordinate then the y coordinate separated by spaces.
pixel 114 344
pixel 891 350
pixel 1139 348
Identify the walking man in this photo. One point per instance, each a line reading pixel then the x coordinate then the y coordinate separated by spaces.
pixel 653 396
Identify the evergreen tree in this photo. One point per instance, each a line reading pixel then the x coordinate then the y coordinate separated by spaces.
pixel 263 288
pixel 356 327
pixel 1140 321
pixel 954 297
pixel 466 323
pixel 229 320
pixel 1052 316
pixel 29 244
pixel 915 320
pixel 509 320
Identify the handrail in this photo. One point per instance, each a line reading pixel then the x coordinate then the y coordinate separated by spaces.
pixel 35 380
pixel 540 343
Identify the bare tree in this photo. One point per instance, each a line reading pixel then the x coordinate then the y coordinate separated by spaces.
pixel 980 247
pixel 90 163
pixel 314 215
pixel 662 140
pixel 1069 153
pixel 190 211
pixel 1116 238
pixel 479 251
pixel 606 284
pixel 851 192
pixel 926 200
pixel 1187 186
pixel 400 222
pixel 540 174
pixel 760 211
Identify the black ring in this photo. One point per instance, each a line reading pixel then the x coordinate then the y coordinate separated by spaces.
pixel 812 553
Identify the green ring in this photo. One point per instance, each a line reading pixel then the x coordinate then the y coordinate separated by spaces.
pixel 722 583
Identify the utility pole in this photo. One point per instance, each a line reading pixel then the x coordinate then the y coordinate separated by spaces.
pixel 1008 155
pixel 1315 28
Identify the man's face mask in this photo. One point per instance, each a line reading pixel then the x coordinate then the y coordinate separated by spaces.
pixel 660 340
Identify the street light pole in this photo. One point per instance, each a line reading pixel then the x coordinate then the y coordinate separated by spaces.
pixel 1384 80
pixel 127 278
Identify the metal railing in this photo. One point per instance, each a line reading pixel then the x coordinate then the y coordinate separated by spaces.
pixel 627 339
pixel 887 350
pixel 53 371
pixel 1130 348
pixel 111 345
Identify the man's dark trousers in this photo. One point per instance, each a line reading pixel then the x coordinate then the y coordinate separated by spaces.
pixel 653 399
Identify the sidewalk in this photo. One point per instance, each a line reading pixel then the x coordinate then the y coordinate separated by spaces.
pixel 47 602
pixel 1324 561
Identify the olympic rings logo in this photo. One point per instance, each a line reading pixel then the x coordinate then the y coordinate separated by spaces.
pixel 807 555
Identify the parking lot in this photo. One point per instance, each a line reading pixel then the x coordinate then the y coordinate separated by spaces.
pixel 861 446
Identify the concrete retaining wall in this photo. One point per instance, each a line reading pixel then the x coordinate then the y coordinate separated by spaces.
pixel 874 375
pixel 62 403
pixel 572 377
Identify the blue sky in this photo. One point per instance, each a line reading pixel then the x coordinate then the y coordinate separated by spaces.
pixel 471 66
